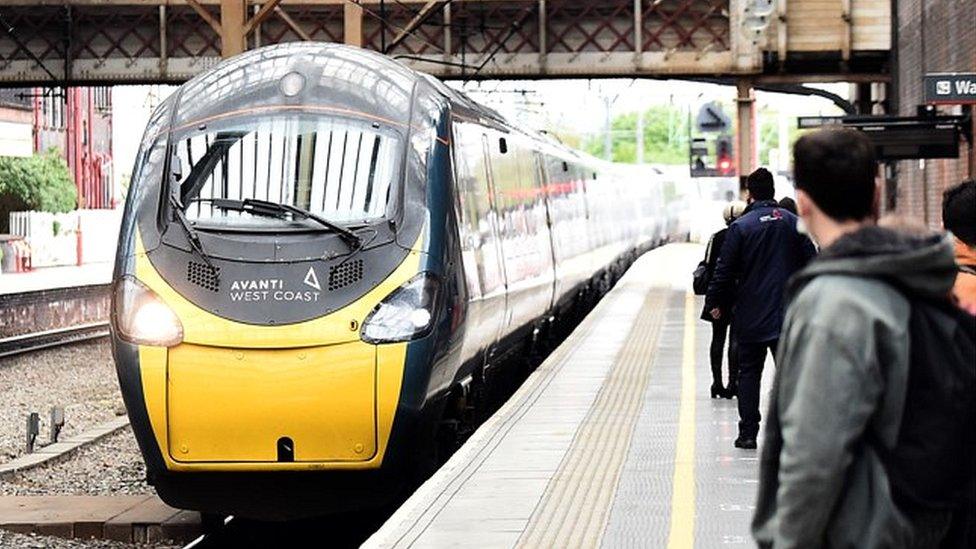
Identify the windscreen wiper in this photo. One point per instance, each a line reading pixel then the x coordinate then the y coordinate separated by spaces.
pixel 191 234
pixel 275 209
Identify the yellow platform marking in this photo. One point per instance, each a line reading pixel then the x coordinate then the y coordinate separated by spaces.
pixel 682 532
pixel 575 507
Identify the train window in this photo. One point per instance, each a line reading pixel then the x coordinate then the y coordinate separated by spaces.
pixel 502 145
pixel 337 168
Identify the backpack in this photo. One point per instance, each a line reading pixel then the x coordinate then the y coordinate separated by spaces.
pixel 933 463
pixel 700 279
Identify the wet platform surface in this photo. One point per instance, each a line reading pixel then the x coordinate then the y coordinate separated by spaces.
pixel 612 442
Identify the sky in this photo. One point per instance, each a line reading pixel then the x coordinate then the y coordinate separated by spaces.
pixel 566 106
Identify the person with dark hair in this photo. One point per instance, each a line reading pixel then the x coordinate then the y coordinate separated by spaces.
pixel 860 450
pixel 959 217
pixel 720 327
pixel 761 251
pixel 788 204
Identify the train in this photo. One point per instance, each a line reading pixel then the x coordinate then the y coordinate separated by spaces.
pixel 325 256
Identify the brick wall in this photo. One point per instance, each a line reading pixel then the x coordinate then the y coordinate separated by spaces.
pixel 933 36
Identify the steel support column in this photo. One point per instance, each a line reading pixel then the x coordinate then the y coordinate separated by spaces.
pixel 745 129
pixel 163 46
pixel 233 16
pixel 352 17
pixel 543 36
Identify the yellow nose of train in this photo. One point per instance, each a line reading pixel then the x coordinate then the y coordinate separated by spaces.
pixel 233 396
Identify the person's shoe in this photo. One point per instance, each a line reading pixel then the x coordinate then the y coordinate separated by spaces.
pixel 718 391
pixel 746 443
pixel 732 391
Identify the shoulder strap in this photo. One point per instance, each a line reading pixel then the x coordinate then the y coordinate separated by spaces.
pixel 968 269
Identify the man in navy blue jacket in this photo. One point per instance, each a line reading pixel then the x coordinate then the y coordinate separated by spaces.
pixel 761 252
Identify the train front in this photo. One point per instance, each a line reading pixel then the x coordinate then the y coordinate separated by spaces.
pixel 277 288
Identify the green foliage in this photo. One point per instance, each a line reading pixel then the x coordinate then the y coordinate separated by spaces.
pixel 665 137
pixel 769 135
pixel 40 182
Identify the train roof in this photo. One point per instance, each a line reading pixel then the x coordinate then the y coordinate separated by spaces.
pixel 336 77
pixel 318 74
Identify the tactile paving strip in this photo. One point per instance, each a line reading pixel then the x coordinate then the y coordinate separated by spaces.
pixel 642 504
pixel 725 477
pixel 410 523
pixel 576 503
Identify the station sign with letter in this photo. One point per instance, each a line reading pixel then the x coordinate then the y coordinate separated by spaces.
pixel 956 88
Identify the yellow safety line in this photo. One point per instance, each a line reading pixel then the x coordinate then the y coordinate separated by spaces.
pixel 682 532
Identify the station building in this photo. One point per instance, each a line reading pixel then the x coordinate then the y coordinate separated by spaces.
pixel 76 121
pixel 933 36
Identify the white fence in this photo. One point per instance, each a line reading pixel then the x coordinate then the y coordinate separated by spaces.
pixel 53 238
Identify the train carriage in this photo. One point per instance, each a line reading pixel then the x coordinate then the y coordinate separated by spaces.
pixel 322 253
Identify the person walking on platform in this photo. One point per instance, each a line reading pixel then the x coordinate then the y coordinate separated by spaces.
pixel 720 326
pixel 788 204
pixel 761 251
pixel 868 440
pixel 959 217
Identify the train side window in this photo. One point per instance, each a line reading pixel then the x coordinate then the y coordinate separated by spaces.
pixel 502 145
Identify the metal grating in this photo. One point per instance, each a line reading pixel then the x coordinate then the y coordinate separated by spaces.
pixel 203 276
pixel 345 274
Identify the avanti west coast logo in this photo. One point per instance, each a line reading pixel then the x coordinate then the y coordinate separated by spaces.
pixel 275 289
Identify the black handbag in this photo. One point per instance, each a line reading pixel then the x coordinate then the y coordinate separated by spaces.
pixel 700 278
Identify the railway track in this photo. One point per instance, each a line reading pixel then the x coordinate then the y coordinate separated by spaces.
pixel 26 343
pixel 46 318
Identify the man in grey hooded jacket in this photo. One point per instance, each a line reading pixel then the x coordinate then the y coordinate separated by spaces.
pixel 843 362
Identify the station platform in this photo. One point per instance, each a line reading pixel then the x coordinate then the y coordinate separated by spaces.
pixel 612 442
pixel 49 278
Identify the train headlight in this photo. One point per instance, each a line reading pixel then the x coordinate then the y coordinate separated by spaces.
pixel 141 317
pixel 405 314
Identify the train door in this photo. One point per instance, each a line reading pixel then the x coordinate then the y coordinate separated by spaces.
pixel 480 249
pixel 548 192
pixel 523 231
pixel 543 265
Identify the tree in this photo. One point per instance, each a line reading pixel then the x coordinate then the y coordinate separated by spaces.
pixel 665 137
pixel 40 182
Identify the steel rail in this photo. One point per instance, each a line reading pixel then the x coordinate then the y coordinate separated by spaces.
pixel 36 341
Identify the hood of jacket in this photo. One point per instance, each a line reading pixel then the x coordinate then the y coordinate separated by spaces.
pixel 923 265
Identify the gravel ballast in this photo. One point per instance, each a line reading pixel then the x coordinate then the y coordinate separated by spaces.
pixel 34 541
pixel 80 377
pixel 110 466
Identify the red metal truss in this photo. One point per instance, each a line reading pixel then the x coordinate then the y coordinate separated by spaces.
pixel 322 23
pixel 426 39
pixel 481 28
pixel 41 29
pixel 116 36
pixel 685 25
pixel 125 32
pixel 190 36
pixel 603 26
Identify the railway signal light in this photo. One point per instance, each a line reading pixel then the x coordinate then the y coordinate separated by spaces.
pixel 723 155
